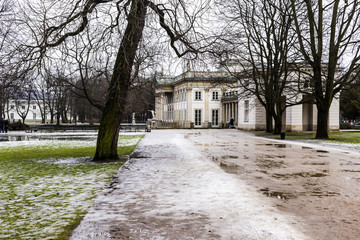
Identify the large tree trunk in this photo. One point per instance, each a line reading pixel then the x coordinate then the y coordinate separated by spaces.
pixel 322 120
pixel 278 124
pixel 107 140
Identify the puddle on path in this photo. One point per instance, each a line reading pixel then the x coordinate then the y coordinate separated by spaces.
pixel 349 163
pixel 192 134
pixel 300 175
pixel 303 147
pixel 315 163
pixel 278 145
pixel 288 195
pixel 321 194
pixel 225 164
pixel 137 155
pixel 351 171
pixel 279 195
pixel 222 158
pixel 322 151
pixel 267 163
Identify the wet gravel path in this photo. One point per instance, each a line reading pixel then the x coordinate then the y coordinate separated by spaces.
pixel 226 184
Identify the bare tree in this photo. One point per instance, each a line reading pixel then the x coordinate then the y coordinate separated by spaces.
pixel 22 101
pixel 8 73
pixel 350 100
pixel 259 52
pixel 328 34
pixel 63 20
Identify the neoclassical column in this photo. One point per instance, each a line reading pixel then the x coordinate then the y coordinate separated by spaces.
pixel 206 108
pixel 233 110
pixel 189 108
pixel 228 112
pixel 236 112
pixel 223 112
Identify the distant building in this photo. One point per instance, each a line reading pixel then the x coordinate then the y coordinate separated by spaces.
pixel 212 100
pixel 193 99
pixel 14 110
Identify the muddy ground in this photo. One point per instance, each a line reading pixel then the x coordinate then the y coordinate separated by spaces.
pixel 227 184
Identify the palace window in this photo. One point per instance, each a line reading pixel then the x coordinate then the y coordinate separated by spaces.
pixel 215 117
pixel 215 96
pixel 197 95
pixel 197 117
pixel 246 111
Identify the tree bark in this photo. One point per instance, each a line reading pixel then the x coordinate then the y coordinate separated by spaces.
pixel 278 124
pixel 322 120
pixel 107 140
pixel 269 119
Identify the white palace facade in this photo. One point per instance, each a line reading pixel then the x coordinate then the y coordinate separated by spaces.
pixel 212 100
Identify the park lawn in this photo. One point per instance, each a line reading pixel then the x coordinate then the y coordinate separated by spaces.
pixel 45 192
pixel 336 137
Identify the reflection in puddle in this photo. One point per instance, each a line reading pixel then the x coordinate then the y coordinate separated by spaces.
pixel 322 194
pixel 269 164
pixel 231 168
pixel 219 159
pixel 278 145
pixel 299 174
pixel 354 171
pixel 228 166
pixel 306 147
pixel 279 195
pixel 350 163
pixel 137 154
pixel 315 163
pixel 322 151
pixel 191 134
pixel 287 195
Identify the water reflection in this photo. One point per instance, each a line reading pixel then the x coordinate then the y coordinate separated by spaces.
pixel 10 138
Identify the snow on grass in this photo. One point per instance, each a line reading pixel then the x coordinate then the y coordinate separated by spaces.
pixel 38 198
pixel 66 140
pixel 43 206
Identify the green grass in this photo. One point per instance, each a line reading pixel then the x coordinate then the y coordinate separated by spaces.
pixel 338 137
pixel 42 199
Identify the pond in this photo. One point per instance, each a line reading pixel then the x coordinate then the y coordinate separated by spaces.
pixel 44 137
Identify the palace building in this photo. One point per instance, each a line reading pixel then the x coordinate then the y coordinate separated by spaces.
pixel 212 100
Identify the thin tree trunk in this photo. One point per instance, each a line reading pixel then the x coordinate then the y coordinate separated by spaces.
pixel 57 118
pixel 278 115
pixel 107 140
pixel 269 120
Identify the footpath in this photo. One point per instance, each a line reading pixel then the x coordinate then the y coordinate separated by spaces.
pixel 175 187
